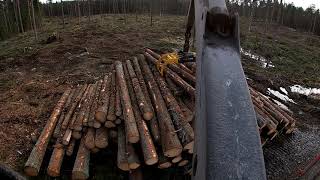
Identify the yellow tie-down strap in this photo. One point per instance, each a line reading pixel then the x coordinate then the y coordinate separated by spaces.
pixel 169 58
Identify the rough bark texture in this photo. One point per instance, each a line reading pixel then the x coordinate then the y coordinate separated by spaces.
pixel 67 137
pixel 164 162
pixel 186 111
pixel 77 125
pixel 94 104
pixel 76 134
pixel 118 102
pixel 185 68
pixel 35 159
pixel 170 142
pixel 81 165
pixel 122 158
pixel 176 90
pixel 73 107
pixel 57 130
pixel 175 77
pixel 147 145
pixel 192 66
pixel 133 159
pixel 153 123
pixel 102 111
pixel 101 139
pixel 145 107
pixel 112 104
pixel 109 124
pixel 70 148
pixel 132 133
pixel 183 128
pixel 184 74
pixel 89 138
pixel 76 114
pixel 56 159
pixel 89 104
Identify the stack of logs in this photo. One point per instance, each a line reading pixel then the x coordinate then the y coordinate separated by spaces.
pixel 138 108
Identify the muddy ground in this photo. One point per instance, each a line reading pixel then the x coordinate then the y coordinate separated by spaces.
pixel 34 74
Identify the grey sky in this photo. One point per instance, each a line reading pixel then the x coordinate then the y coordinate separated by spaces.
pixel 301 3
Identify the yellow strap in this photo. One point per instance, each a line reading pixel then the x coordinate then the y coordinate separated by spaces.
pixel 169 58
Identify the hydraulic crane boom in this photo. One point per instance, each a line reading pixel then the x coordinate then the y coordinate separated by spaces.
pixel 227 140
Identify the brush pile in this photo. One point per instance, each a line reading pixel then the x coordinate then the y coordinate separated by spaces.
pixel 149 116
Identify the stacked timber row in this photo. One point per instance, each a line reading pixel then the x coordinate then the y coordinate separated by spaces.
pixel 149 116
pixel 272 120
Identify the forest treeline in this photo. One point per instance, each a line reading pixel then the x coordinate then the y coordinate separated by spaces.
pixel 18 16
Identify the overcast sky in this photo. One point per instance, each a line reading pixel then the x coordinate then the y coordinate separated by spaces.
pixel 301 3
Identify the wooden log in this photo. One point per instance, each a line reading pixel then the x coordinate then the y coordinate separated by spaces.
pixel 135 174
pixel 70 148
pixel 185 68
pixel 57 130
pixel 170 142
pixel 174 76
pixel 94 104
pixel 176 90
pixel 86 112
pixel 102 111
pixel 164 162
pixel 144 107
pixel 81 165
pixel 175 68
pixel 190 103
pixel 73 107
pixel 148 149
pixel 192 66
pixel 77 123
pixel 183 162
pixel 35 159
pixel 101 139
pixel 153 123
pixel 185 110
pixel 56 159
pixel 76 113
pixel 89 138
pixel 183 128
pixel 132 133
pixel 112 104
pixel 133 158
pixel 267 111
pixel 94 150
pixel 76 134
pixel 176 159
pixel 109 124
pixel 96 124
pixel 122 158
pixel 118 121
pixel 118 102
pixel 67 137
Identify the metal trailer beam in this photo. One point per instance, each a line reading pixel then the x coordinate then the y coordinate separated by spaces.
pixel 227 144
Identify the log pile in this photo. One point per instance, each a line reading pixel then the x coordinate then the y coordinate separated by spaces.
pixel 149 116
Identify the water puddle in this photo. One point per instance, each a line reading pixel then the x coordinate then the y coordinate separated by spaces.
pixel 263 61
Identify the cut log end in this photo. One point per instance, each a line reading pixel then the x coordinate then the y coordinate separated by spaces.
pixel 109 124
pixel 31 171
pixel 173 152
pixel 183 162
pixel 176 159
pixel 151 161
pixel 79 175
pixel 133 139
pixel 111 117
pixel 134 165
pixel 189 145
pixel 147 116
pixel 165 165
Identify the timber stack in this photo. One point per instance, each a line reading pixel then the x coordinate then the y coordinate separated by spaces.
pixel 149 116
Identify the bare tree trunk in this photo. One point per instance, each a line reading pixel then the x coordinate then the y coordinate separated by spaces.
pixel 280 12
pixel 79 13
pixel 5 18
pixel 89 10
pixel 252 14
pixel 314 22
pixel 34 21
pixel 151 13
pixel 272 11
pixel 20 19
pixel 16 15
pixel 267 17
pixel 62 11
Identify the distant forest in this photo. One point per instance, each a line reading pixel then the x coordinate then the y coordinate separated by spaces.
pixel 18 16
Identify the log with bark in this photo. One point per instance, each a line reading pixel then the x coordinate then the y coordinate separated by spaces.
pixel 102 111
pixel 122 157
pixel 89 138
pixel 132 133
pixel 169 139
pixel 112 104
pixel 71 146
pixel 92 122
pixel 101 139
pixel 56 159
pixel 174 76
pixel 144 106
pixel 153 123
pixel 133 158
pixel 35 159
pixel 81 165
pixel 146 143
pixel 183 128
